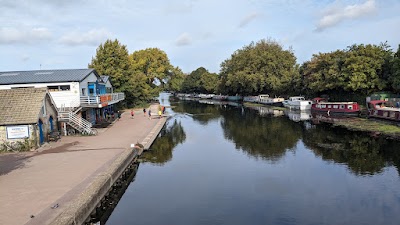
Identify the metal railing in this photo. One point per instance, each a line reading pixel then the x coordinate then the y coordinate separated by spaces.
pixel 102 100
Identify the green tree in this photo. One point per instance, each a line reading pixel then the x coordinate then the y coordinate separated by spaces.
pixel 395 71
pixel 200 81
pixel 175 80
pixel 112 59
pixel 324 72
pixel 153 62
pixel 364 68
pixel 262 67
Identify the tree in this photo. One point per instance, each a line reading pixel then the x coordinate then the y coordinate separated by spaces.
pixel 153 62
pixel 395 71
pixel 112 59
pixel 175 80
pixel 200 81
pixel 324 72
pixel 262 67
pixel 364 68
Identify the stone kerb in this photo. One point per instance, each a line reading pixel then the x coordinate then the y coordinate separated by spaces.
pixel 79 209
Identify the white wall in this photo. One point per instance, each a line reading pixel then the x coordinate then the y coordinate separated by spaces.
pixel 68 98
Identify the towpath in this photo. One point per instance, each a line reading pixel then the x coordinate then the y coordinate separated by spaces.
pixel 35 187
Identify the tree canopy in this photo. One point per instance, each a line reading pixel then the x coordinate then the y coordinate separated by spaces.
pixel 262 67
pixel 200 81
pixel 359 68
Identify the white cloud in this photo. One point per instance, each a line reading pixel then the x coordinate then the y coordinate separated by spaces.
pixel 336 14
pixel 93 37
pixel 249 18
pixel 183 39
pixel 23 35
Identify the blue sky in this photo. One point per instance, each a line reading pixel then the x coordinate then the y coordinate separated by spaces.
pixel 60 34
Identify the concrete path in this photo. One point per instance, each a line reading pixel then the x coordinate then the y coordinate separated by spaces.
pixel 35 187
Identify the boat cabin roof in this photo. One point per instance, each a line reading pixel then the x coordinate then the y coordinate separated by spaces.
pixel 297 98
pixel 377 102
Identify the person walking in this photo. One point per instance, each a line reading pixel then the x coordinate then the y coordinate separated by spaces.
pixel 149 114
pixel 159 113
pixel 132 114
pixel 144 112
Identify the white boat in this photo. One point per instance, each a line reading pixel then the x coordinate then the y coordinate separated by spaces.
pixel 265 99
pixel 297 102
pixel 206 96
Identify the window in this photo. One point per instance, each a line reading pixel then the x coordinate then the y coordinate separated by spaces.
pixel 335 106
pixel 65 87
pixel 329 106
pixel 350 107
pixel 59 88
pixel 342 106
pixel 323 106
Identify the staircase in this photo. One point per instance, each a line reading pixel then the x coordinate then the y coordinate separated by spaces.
pixel 69 115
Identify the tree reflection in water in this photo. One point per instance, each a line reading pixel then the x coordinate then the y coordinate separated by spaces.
pixel 202 113
pixel 362 154
pixel 161 150
pixel 266 137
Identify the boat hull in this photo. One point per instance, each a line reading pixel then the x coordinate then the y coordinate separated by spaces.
pixel 235 98
pixel 393 115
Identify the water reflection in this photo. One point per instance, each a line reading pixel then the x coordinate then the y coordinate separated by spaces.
pixel 169 138
pixel 265 137
pixel 297 115
pixel 208 181
pixel 266 111
pixel 361 153
pixel 202 113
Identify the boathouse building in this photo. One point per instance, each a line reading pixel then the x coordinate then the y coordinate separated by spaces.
pixel 82 97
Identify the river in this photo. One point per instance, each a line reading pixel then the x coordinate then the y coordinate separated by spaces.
pixel 228 164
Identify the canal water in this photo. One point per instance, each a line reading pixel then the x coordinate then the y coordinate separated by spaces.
pixel 228 164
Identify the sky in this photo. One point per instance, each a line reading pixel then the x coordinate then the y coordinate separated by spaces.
pixel 64 34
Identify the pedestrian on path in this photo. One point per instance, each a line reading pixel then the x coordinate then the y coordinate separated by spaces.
pixel 149 114
pixel 144 112
pixel 132 114
pixel 159 113
pixel 163 110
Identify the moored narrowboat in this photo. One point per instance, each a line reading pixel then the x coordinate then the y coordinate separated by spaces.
pixel 250 99
pixel 383 110
pixel 265 99
pixel 323 106
pixel 235 98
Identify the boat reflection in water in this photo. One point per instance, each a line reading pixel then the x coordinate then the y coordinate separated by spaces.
pixel 265 111
pixel 297 116
pixel 212 102
pixel 321 117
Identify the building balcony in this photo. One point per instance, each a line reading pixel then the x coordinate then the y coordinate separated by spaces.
pixel 100 101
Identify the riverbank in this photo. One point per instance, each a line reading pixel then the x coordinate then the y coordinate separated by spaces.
pixel 372 126
pixel 38 187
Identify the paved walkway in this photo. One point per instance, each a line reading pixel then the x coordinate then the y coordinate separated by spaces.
pixel 36 186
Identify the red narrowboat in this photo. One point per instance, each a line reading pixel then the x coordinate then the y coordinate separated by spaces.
pixel 383 110
pixel 322 106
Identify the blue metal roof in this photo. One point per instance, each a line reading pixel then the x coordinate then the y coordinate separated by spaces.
pixel 44 76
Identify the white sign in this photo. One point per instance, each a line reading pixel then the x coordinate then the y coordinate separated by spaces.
pixel 16 132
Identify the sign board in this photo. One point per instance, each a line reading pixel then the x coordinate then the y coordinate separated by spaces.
pixel 17 132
